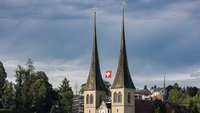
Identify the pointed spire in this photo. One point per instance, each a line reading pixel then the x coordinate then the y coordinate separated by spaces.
pixel 164 91
pixel 95 81
pixel 164 81
pixel 123 77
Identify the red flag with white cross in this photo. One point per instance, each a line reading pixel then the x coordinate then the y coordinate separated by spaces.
pixel 108 74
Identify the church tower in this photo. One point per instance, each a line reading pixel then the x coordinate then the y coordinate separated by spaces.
pixel 123 89
pixel 95 91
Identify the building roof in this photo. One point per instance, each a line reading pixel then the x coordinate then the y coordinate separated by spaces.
pixel 95 81
pixel 123 77
pixel 143 92
pixel 156 89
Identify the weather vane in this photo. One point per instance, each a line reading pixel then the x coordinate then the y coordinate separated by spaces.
pixel 123 3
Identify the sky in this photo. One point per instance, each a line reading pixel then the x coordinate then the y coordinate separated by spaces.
pixel 162 38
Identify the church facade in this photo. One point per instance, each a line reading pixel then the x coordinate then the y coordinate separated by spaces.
pixel 122 89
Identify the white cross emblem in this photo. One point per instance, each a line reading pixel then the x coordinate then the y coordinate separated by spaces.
pixel 108 74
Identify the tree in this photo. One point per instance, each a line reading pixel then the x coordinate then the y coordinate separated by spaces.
pixel 176 96
pixel 3 76
pixel 20 74
pixel 50 92
pixel 176 86
pixel 168 88
pixel 39 92
pixel 193 103
pixel 81 91
pixel 30 66
pixel 192 91
pixel 7 99
pixel 66 96
pixel 33 91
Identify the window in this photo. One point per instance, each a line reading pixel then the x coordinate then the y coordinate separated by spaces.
pixel 129 97
pixel 119 97
pixel 91 99
pixel 115 97
pixel 87 99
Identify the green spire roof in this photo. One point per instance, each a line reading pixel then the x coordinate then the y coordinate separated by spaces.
pixel 95 81
pixel 123 77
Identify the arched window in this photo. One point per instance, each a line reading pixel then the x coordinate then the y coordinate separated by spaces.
pixel 119 97
pixel 91 99
pixel 87 99
pixel 129 97
pixel 115 97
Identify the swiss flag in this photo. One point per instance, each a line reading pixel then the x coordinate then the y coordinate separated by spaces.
pixel 108 74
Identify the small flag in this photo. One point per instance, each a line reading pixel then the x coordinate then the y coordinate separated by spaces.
pixel 108 74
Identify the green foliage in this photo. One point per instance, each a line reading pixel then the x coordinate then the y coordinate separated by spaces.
pixel 33 91
pixel 191 91
pixel 81 91
pixel 193 103
pixel 7 99
pixel 39 92
pixel 3 76
pixel 189 98
pixel 66 96
pixel 177 96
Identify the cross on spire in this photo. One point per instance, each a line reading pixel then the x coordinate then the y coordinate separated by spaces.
pixel 95 9
pixel 123 4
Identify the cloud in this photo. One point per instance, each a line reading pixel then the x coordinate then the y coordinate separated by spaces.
pixel 195 74
pixel 162 37
pixel 147 1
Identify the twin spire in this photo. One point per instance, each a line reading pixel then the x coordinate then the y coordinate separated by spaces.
pixel 95 81
pixel 123 77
